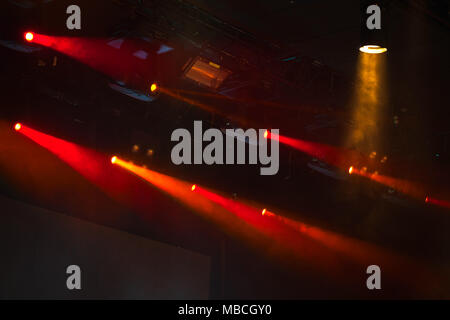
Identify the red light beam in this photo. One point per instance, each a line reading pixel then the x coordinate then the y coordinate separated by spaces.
pixel 438 202
pixel 406 187
pixel 97 54
pixel 97 169
pixel 332 155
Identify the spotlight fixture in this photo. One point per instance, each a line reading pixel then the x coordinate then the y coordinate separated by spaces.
pixel 154 90
pixel 29 36
pixel 372 49
pixel 350 170
pixel 263 212
pixel 113 159
pixel 17 126
pixel 193 187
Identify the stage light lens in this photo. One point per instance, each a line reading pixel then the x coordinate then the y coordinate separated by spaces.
pixel 17 127
pixel 29 36
pixel 263 212
pixel 266 134
pixel 113 159
pixel 350 170
pixel 193 187
pixel 372 49
pixel 427 199
pixel 153 87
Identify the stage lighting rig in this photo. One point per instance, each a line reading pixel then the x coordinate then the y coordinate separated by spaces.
pixel 206 73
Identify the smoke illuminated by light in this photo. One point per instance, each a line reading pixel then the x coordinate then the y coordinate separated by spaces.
pixel 369 104
pixel 282 239
pixel 334 156
pixel 363 253
pixel 319 247
pixel 438 202
pixel 208 207
pixel 352 248
pixel 239 219
pixel 404 186
pixel 97 169
pixel 97 54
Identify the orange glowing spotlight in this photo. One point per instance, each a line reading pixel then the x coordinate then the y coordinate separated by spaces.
pixel 350 170
pixel 113 159
pixel 153 87
pixel 17 126
pixel 263 211
pixel 266 134
pixel 193 187
pixel 29 36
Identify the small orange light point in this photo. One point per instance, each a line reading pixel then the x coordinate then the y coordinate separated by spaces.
pixel 263 211
pixel 350 170
pixel 153 87
pixel 17 126
pixel 29 36
pixel 193 187
pixel 113 159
